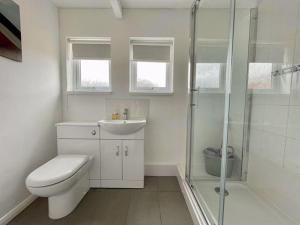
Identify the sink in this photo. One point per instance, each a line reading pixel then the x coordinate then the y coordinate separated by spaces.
pixel 122 127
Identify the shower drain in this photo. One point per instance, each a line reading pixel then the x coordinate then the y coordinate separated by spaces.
pixel 217 190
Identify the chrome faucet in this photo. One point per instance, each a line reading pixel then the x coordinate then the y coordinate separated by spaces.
pixel 125 114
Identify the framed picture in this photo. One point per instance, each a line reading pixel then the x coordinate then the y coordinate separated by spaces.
pixel 10 30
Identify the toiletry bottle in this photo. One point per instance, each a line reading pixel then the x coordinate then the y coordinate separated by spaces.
pixel 114 116
pixel 125 114
pixel 117 116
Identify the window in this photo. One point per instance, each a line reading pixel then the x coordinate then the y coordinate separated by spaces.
pixel 208 75
pixel 151 65
pixel 211 58
pixel 260 76
pixel 89 68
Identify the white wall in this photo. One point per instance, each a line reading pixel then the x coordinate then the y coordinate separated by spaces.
pixel 166 131
pixel 274 145
pixel 30 101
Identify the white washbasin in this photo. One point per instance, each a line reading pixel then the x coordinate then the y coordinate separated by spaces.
pixel 122 127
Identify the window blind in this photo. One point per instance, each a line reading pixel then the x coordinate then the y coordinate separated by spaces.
pixel 90 49
pixel 151 51
pixel 211 51
pixel 209 54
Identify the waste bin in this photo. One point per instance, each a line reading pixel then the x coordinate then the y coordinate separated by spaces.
pixel 213 158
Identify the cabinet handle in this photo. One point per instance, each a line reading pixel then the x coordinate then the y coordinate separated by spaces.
pixel 126 151
pixel 118 151
pixel 93 132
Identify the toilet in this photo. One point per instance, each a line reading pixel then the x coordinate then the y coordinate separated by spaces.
pixel 64 180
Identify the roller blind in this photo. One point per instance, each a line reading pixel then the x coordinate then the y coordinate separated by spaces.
pixel 91 50
pixel 211 51
pixel 270 53
pixel 210 54
pixel 151 51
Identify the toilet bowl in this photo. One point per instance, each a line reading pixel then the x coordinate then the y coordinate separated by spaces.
pixel 64 180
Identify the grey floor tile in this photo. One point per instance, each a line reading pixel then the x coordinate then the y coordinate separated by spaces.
pixel 151 184
pixel 26 212
pixel 112 209
pixel 144 209
pixel 35 214
pixel 173 209
pixel 168 184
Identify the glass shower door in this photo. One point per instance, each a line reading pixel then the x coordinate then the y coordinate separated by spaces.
pixel 209 104
pixel 265 79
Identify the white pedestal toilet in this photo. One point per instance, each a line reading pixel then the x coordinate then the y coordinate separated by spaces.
pixel 64 180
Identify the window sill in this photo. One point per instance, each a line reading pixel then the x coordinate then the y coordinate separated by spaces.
pixel 88 92
pixel 150 93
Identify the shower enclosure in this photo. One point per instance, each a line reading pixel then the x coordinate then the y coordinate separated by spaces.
pixel 243 151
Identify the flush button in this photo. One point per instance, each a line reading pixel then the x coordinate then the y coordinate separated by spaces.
pixel 93 132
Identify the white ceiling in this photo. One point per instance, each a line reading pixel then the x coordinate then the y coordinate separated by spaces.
pixel 124 3
pixel 226 3
pixel 153 3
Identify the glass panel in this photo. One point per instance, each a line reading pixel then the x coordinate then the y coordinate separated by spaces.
pixel 212 29
pixel 264 111
pixel 263 125
pixel 94 73
pixel 208 75
pixel 151 74
pixel 260 76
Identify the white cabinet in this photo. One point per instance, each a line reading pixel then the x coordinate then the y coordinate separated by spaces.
pixel 81 138
pixel 85 147
pixel 122 161
pixel 133 160
pixel 111 160
pixel 118 160
pixel 78 131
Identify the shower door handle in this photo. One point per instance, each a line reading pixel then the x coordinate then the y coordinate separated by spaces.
pixel 194 96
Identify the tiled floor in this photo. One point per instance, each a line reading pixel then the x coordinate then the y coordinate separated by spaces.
pixel 159 203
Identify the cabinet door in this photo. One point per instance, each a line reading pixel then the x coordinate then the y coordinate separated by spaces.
pixel 82 146
pixel 111 160
pixel 133 160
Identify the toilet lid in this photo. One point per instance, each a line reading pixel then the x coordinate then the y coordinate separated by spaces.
pixel 56 170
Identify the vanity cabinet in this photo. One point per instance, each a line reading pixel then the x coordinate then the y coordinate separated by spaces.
pixel 111 160
pixel 118 160
pixel 122 160
pixel 133 159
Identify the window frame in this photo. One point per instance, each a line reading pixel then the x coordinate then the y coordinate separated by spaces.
pixel 73 67
pixel 133 88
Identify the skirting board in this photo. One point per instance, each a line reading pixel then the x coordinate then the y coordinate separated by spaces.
pixel 160 170
pixel 16 210
pixel 197 216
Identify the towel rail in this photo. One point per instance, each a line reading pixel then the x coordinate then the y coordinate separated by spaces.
pixel 283 71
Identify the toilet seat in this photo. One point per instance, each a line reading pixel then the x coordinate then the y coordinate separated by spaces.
pixel 56 170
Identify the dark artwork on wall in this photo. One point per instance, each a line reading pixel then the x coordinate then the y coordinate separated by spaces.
pixel 10 30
